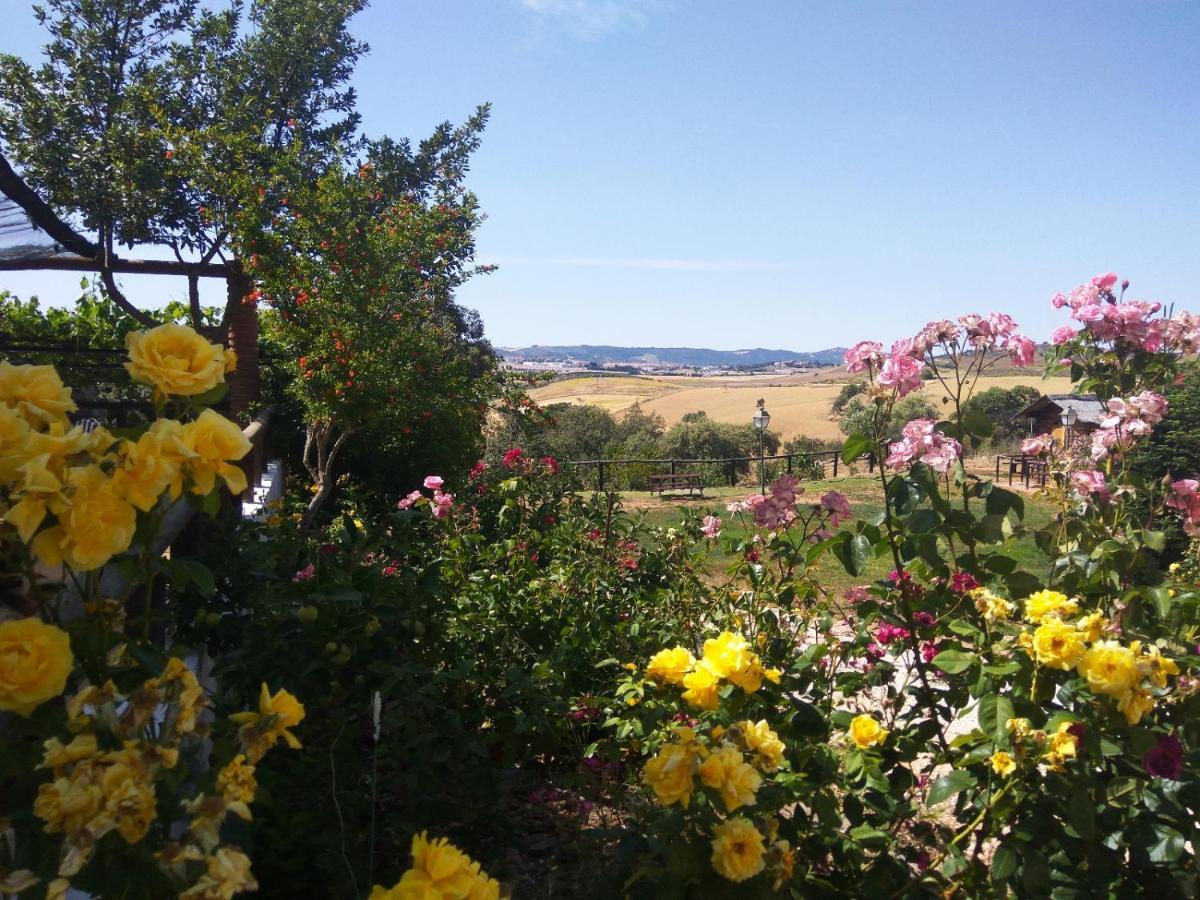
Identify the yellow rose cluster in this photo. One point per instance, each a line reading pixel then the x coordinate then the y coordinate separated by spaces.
pixel 73 495
pixel 727 657
pixel 35 660
pixel 1124 673
pixel 440 871
pixel 731 763
pixel 104 779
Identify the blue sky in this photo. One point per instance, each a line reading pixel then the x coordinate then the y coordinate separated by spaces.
pixel 789 174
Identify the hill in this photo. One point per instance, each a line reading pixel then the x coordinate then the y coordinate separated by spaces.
pixel 671 356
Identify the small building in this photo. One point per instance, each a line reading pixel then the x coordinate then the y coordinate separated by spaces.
pixel 1046 415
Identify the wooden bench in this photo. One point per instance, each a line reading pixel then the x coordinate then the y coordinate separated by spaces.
pixel 677 484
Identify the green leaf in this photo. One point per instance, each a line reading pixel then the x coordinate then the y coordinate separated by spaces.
pixel 856 445
pixel 1004 864
pixel 1155 540
pixel 954 661
pixel 855 553
pixel 1168 845
pixel 949 785
pixel 978 423
pixel 868 836
pixel 197 573
pixel 1001 502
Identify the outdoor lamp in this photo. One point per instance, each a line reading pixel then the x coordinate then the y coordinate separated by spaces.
pixel 762 418
pixel 1069 417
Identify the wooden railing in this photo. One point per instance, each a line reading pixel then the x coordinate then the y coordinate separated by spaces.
pixel 830 461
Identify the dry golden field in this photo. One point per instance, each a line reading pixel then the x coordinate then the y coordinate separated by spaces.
pixel 799 404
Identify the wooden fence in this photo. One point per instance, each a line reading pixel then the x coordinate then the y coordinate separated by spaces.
pixel 785 463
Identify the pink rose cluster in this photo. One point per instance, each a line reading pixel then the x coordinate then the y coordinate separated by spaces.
pixel 922 442
pixel 711 527
pixel 441 503
pixel 777 509
pixel 1185 497
pixel 1128 419
pixel 1105 317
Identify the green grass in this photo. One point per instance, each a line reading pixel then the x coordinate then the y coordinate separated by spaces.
pixel 866 499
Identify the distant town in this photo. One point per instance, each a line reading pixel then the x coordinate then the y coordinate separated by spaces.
pixel 678 361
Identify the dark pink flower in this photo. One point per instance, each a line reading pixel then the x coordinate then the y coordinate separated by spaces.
pixel 961 582
pixel 306 574
pixel 1165 759
pixel 512 457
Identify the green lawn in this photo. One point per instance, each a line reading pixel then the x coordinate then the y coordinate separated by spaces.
pixel 866 499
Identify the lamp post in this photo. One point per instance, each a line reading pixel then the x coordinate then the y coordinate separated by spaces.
pixel 1069 417
pixel 761 420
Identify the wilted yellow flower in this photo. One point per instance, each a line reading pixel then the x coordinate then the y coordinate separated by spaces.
pixel 1057 644
pixel 35 660
pixel 785 863
pixel 95 525
pixel 866 732
pixel 1109 668
pixel 57 756
pixel 737 849
pixel 229 360
pixel 773 675
pixel 175 360
pixel 216 442
pixel 1092 626
pixel 1045 603
pixel 764 742
pixel 128 797
pixel 261 730
pixel 702 685
pixel 1003 763
pixel 236 781
pixel 727 772
pixel 36 393
pixel 227 873
pixel 1134 704
pixel 1153 665
pixel 991 606
pixel 1062 746
pixel 38 489
pixel 67 805
pixel 188 694
pixel 669 774
pixel 670 666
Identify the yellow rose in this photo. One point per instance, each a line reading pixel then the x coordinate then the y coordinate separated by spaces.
pixel 94 526
pixel 866 732
pixel 144 471
pixel 67 805
pixel 229 360
pixel 727 653
pixel 1153 665
pixel 1062 746
pixel 38 490
pixel 35 660
pixel 669 774
pixel 1057 644
pixel 1109 668
pixel 763 741
pixel 175 360
pixel 213 443
pixel 1003 763
pixel 1041 604
pixel 732 776
pixel 669 666
pixel 702 685
pixel 36 393
pixel 737 850
pixel 1092 626
pixel 129 799
pixel 439 869
pixel 14 435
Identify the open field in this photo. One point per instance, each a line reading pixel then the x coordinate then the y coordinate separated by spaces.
pixel 799 404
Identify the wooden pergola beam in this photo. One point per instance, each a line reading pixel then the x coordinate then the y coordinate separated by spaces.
pixel 40 213
pixel 69 263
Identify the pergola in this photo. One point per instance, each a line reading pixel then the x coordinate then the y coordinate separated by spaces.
pixel 34 237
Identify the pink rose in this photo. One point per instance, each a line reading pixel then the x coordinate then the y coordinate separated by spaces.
pixel 1061 335
pixel 1036 445
pixel 306 574
pixel 902 373
pixel 862 355
pixel 433 482
pixel 711 528
pixel 409 500
pixel 1105 282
